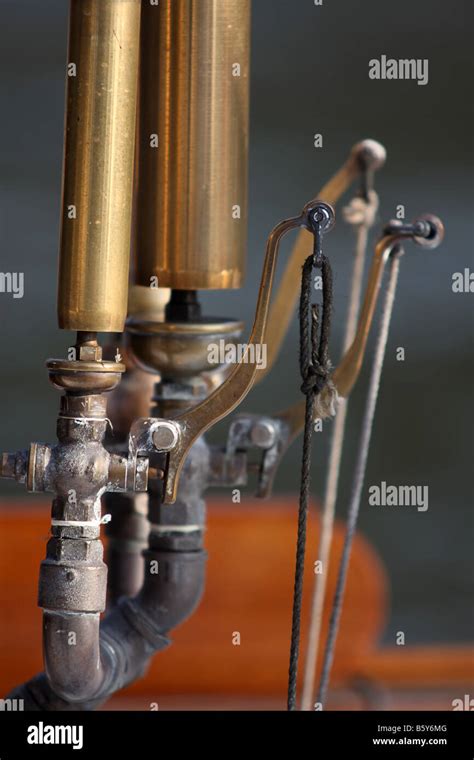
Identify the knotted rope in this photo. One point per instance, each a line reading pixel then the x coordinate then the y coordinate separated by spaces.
pixel 360 214
pixel 315 369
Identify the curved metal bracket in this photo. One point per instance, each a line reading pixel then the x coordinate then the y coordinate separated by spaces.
pixel 365 158
pixel 175 437
pixel 224 399
pixel 427 232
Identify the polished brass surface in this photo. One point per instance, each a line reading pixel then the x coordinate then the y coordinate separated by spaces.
pixel 365 156
pixel 98 164
pixel 178 349
pixel 145 300
pixel 83 376
pixel 194 105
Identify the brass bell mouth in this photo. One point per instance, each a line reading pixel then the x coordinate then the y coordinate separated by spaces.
pixel 179 350
pixel 83 376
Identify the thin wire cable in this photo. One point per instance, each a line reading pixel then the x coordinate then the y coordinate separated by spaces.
pixel 359 474
pixel 361 214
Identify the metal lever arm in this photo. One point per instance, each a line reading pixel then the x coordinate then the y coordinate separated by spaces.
pixel 274 435
pixel 224 399
pixel 427 232
pixel 365 158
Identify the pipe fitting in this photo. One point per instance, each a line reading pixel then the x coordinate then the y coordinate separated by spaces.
pixel 13 465
pixel 88 661
pixel 78 587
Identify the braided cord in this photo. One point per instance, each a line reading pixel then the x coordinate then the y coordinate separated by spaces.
pixel 314 368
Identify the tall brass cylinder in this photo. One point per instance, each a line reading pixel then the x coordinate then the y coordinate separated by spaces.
pixel 102 83
pixel 191 225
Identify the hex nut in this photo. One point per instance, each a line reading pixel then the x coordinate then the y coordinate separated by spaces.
pixel 89 353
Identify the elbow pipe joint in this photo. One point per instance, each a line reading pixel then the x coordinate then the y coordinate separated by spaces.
pixel 88 661
pixel 172 589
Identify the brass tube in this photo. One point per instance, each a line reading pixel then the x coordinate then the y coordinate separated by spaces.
pixel 102 84
pixel 193 144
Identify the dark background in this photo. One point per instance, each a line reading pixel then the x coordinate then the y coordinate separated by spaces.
pixel 309 74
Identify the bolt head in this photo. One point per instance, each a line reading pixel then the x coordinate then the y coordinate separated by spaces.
pixel 436 231
pixel 263 434
pixel 322 215
pixel 165 435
